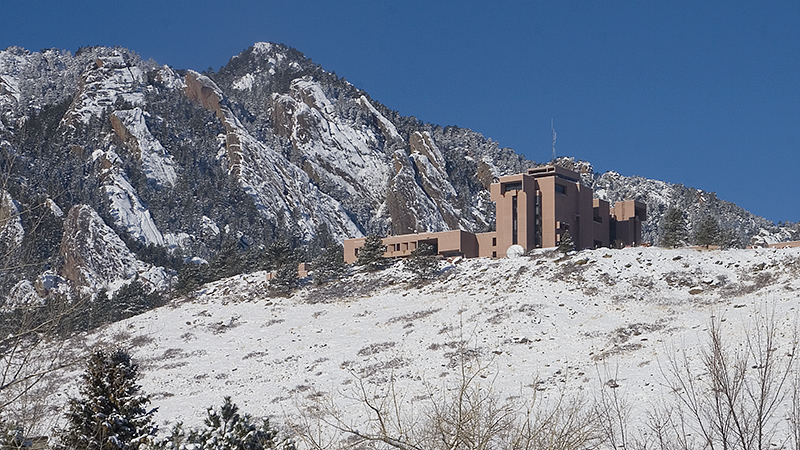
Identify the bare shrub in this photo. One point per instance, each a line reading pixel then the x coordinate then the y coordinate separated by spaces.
pixel 748 285
pixel 470 415
pixel 222 327
pixel 414 316
pixel 569 270
pixel 376 348
pixel 141 340
pixel 681 279
pixel 734 403
pixel 33 354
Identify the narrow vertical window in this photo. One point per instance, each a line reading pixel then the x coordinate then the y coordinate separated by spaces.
pixel 514 225
pixel 537 221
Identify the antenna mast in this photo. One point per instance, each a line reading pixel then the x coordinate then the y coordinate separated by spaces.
pixel 554 139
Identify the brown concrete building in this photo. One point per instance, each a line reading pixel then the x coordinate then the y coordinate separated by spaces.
pixel 533 210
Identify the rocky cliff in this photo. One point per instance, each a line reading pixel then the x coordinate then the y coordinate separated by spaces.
pixel 183 164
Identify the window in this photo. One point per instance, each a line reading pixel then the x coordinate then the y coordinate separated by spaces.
pixel 494 242
pixel 494 254
pixel 561 189
pixel 512 186
pixel 514 224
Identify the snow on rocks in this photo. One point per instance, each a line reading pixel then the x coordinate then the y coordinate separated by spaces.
pixel 277 186
pixel 95 257
pixel 387 127
pixel 209 226
pixel 103 86
pixel 157 164
pixel 13 62
pixel 338 153
pixel 125 208
pixel 765 238
pixel 11 230
pixel 167 77
pixel 54 208
pixel 244 83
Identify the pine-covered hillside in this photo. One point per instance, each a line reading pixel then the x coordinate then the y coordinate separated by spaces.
pixel 115 170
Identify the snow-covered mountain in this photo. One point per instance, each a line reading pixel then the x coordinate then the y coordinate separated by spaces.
pixel 546 322
pixel 183 165
pixel 694 203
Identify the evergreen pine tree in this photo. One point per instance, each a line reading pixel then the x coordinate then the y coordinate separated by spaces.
pixel 226 429
pixel 99 312
pixel 565 244
pixel 227 263
pixel 673 229
pixel 423 263
pixel 191 276
pixel 110 413
pixel 707 232
pixel 329 265
pixel 728 238
pixel 282 257
pixel 286 278
pixel 371 254
pixel 277 253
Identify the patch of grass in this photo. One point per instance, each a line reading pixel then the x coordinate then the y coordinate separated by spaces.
pixel 414 316
pixel 373 349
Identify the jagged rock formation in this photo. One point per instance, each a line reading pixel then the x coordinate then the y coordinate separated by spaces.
pixel 95 257
pixel 270 147
pixel 11 230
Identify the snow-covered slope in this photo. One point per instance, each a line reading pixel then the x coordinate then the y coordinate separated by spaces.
pixel 545 321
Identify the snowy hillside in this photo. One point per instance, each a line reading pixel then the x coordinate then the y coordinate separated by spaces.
pixel 546 322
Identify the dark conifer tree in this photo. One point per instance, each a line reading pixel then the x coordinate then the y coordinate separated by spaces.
pixel 673 229
pixel 110 413
pixel 371 254
pixel 283 259
pixel 226 429
pixel 423 263
pixel 707 232
pixel 329 265
pixel 565 244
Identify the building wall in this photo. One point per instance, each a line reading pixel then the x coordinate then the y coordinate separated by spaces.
pixel 551 227
pixel 351 247
pixel 601 215
pixel 566 205
pixel 628 217
pixel 503 194
pixel 487 245
pixel 446 243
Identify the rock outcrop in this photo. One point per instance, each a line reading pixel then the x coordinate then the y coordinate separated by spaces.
pixel 281 189
pixel 94 256
pixel 11 231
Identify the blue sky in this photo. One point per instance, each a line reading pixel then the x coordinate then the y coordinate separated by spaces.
pixel 701 93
